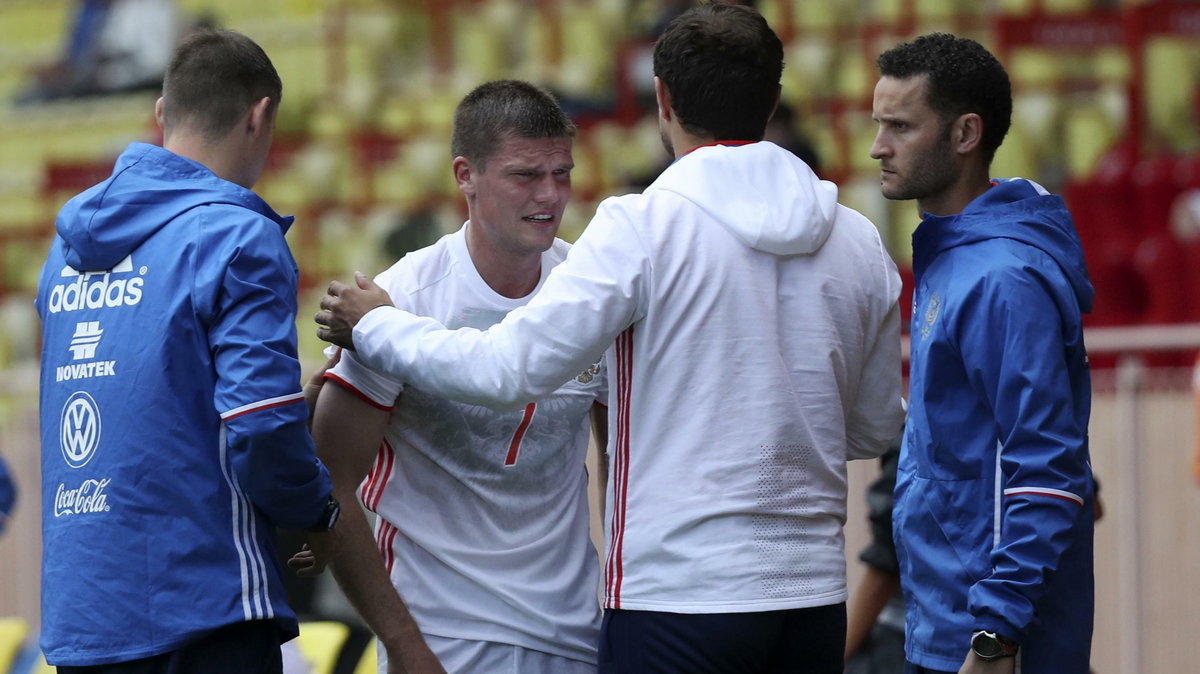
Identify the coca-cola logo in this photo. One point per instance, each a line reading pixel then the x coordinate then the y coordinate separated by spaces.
pixel 88 497
pixel 79 429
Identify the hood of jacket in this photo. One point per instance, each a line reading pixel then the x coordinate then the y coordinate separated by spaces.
pixel 150 186
pixel 764 195
pixel 1017 209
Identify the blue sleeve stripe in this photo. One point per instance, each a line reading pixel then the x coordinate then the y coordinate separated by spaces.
pixel 1045 491
pixel 263 405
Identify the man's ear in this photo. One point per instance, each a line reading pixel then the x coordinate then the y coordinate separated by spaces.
pixel 158 114
pixel 261 117
pixel 967 133
pixel 663 96
pixel 464 175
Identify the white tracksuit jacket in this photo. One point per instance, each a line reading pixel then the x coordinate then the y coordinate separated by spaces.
pixel 753 341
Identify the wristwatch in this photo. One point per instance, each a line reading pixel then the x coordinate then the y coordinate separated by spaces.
pixel 329 515
pixel 990 646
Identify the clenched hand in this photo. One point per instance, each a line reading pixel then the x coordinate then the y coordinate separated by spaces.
pixel 343 306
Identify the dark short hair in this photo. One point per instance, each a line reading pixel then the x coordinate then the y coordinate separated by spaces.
pixel 213 79
pixel 496 110
pixel 722 65
pixel 961 77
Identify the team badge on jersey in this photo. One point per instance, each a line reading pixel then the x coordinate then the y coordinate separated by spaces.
pixel 931 313
pixel 589 374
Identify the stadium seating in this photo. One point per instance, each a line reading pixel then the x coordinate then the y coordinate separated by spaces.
pixel 369 663
pixel 370 87
pixel 321 643
pixel 13 632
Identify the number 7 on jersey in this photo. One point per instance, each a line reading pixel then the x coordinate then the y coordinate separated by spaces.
pixel 514 447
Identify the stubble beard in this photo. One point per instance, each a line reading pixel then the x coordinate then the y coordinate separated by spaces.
pixel 931 173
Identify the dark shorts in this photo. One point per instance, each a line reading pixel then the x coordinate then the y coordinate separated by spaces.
pixel 241 648
pixel 796 641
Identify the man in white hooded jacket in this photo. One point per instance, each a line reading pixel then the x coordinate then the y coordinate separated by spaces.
pixel 753 341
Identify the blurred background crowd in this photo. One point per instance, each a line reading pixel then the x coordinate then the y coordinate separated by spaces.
pixel 1106 111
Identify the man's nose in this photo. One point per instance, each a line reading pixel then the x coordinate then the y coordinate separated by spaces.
pixel 879 148
pixel 546 189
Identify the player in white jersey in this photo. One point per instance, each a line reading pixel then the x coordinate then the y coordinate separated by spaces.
pixel 482 515
pixel 753 336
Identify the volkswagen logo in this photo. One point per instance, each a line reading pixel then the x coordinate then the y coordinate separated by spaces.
pixel 79 430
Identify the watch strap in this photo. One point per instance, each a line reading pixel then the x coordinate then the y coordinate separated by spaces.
pixel 329 515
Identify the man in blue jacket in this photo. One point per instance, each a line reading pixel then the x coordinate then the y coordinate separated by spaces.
pixel 994 496
pixel 174 429
pixel 8 494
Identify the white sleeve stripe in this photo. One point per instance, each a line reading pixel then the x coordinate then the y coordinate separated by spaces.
pixel 262 405
pixel 1045 491
pixel 250 560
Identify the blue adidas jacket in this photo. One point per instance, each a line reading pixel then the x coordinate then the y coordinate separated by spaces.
pixel 8 494
pixel 994 499
pixel 173 426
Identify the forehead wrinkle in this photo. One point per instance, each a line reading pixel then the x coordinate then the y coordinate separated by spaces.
pixel 531 158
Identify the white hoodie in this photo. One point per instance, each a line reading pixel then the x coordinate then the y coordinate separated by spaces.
pixel 753 341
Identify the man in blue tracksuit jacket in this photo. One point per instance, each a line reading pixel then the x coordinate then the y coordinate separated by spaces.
pixel 8 494
pixel 994 497
pixel 173 425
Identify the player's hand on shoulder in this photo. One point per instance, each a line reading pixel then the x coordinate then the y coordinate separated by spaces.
pixel 344 305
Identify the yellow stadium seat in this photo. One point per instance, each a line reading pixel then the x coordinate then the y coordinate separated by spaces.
pixel 42 668
pixel 479 46
pixel 1090 134
pixel 1033 67
pixel 369 662
pixel 855 78
pixel 1170 80
pixel 816 16
pixel 321 642
pixel 1015 7
pixel 887 11
pixel 587 37
pixel 1066 6
pixel 12 638
pixel 936 10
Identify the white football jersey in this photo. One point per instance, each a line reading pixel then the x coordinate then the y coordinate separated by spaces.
pixel 483 515
pixel 753 337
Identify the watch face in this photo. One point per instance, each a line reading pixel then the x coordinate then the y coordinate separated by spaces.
pixel 989 646
pixel 986 646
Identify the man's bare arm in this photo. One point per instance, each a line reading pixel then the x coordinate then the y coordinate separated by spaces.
pixel 874 591
pixel 348 433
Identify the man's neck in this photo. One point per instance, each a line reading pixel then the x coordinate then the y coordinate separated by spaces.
pixel 215 157
pixel 683 142
pixel 510 275
pixel 971 184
